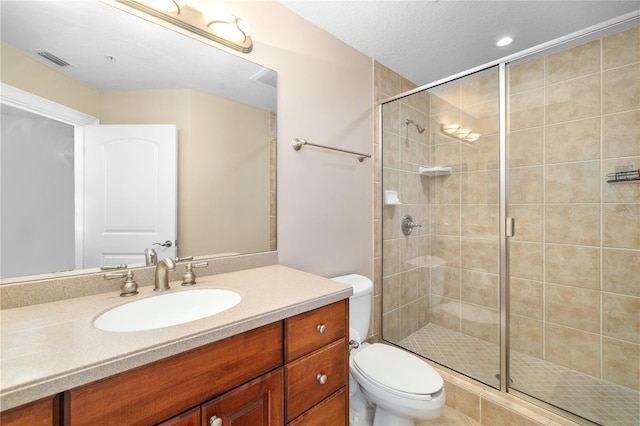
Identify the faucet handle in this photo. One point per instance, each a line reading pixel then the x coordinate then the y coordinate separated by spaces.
pixel 112 268
pixel 189 278
pixel 150 257
pixel 129 288
pixel 183 259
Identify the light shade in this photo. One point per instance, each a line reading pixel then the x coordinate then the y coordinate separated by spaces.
pixel 472 137
pixel 227 25
pixel 450 128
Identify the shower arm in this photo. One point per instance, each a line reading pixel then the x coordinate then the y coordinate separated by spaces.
pixel 419 128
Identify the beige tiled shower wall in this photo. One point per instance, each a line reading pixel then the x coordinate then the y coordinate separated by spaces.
pixel 575 258
pixel 406 299
pixel 464 205
pixel 446 272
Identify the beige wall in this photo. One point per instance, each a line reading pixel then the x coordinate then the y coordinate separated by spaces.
pixel 224 165
pixel 19 70
pixel 325 95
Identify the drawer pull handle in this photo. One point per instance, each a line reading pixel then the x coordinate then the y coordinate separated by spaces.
pixel 321 328
pixel 322 378
pixel 215 421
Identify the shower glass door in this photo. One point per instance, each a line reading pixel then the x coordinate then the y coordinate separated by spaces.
pixel 441 282
pixel 574 119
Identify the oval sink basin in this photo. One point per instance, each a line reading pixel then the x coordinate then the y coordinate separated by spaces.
pixel 167 309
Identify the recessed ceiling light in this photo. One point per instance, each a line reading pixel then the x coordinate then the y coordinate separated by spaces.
pixel 504 41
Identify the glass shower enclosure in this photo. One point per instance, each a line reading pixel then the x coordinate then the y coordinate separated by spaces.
pixel 518 264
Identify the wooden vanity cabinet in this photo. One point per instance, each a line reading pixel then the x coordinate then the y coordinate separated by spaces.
pixel 39 413
pixel 291 372
pixel 157 391
pixel 257 403
pixel 188 418
pixel 316 367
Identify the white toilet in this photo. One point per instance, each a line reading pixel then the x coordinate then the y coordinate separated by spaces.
pixel 399 386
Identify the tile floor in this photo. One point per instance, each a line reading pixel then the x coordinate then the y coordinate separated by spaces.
pixel 449 417
pixel 595 399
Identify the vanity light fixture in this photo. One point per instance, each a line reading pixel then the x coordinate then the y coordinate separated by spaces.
pixel 174 6
pixel 463 134
pixel 195 21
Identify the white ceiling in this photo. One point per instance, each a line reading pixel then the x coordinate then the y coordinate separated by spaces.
pixel 426 41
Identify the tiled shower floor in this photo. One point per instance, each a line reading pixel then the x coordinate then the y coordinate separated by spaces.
pixel 590 397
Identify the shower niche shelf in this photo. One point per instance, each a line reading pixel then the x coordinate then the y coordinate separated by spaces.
pixel 434 171
pixel 391 198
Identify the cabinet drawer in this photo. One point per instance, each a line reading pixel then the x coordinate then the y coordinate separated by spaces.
pixel 156 391
pixel 311 330
pixel 331 411
pixel 304 377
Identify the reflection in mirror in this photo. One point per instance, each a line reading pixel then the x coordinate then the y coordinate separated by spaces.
pixel 124 70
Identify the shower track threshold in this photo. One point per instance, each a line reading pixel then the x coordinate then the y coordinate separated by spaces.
pixel 590 397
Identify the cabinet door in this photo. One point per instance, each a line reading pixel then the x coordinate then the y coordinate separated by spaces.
pixel 257 403
pixel 190 418
pixel 331 411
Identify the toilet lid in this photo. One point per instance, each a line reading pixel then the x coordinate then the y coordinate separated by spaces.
pixel 398 369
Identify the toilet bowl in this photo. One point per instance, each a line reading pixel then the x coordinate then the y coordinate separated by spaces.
pixel 402 386
pixel 392 387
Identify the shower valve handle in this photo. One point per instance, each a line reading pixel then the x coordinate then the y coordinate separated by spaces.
pixel 408 224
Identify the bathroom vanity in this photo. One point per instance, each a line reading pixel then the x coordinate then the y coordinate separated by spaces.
pixel 279 357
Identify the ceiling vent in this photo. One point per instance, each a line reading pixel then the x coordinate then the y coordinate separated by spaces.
pixel 266 76
pixel 53 58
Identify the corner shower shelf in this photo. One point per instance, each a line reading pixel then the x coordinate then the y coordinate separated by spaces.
pixel 434 171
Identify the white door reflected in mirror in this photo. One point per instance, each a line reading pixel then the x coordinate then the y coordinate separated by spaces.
pixel 130 193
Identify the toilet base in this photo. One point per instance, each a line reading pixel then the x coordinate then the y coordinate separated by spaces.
pixel 383 417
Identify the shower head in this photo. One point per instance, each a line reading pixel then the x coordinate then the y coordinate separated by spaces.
pixel 419 128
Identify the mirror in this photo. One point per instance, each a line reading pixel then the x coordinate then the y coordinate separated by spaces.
pixel 125 70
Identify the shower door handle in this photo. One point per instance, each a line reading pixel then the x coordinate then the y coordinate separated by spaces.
pixel 511 227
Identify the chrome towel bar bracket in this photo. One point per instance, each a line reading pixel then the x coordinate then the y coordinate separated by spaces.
pixel 298 143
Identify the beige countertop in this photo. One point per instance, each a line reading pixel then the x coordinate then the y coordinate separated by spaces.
pixel 52 347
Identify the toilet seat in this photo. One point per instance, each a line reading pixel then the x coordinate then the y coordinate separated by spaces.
pixel 397 371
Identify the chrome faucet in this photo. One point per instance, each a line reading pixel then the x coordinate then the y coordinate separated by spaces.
pixel 161 281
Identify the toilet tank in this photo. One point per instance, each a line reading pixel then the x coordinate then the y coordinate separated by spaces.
pixel 359 303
